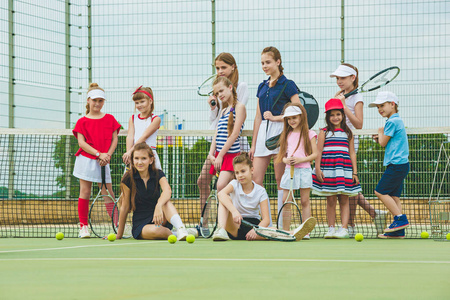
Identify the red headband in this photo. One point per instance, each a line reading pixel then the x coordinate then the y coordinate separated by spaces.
pixel 138 90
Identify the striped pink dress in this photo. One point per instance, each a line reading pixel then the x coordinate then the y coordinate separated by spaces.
pixel 336 167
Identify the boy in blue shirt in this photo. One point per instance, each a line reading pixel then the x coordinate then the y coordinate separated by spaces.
pixel 393 137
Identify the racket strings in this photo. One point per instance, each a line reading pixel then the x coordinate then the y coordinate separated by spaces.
pixel 289 217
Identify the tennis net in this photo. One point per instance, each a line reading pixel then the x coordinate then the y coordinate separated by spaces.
pixel 39 194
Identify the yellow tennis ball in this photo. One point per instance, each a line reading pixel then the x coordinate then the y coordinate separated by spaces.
pixel 190 238
pixel 448 236
pixel 59 236
pixel 172 239
pixel 359 237
pixel 424 235
pixel 111 237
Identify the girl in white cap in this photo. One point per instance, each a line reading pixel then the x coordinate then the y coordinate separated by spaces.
pixel 97 137
pixel 297 148
pixel 347 80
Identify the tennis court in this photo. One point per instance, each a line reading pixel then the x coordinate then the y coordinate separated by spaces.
pixel 130 269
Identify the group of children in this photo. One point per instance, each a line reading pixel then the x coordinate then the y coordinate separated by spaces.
pixel 146 191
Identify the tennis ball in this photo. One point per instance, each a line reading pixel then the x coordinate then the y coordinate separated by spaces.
pixel 190 238
pixel 111 237
pixel 424 235
pixel 59 236
pixel 359 237
pixel 448 236
pixel 172 239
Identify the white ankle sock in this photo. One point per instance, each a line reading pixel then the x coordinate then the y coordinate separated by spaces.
pixel 176 221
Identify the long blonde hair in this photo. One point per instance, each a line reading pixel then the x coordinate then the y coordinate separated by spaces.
pixel 287 129
pixel 92 86
pixel 227 82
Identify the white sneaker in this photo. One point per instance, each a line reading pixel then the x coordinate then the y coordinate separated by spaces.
pixel 306 237
pixel 84 232
pixel 193 231
pixel 342 233
pixel 330 233
pixel 351 231
pixel 380 220
pixel 220 235
pixel 182 233
pixel 304 229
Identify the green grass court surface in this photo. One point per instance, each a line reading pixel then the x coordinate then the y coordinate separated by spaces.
pixel 316 269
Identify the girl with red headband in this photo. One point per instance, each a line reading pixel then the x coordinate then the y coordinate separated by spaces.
pixel 144 126
pixel 97 137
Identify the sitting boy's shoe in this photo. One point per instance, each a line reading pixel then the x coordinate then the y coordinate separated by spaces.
pixel 399 234
pixel 84 232
pixel 220 235
pixel 398 224
pixel 304 229
pixel 330 233
pixel 342 233
pixel 182 233
pixel 380 220
pixel 193 231
pixel 351 231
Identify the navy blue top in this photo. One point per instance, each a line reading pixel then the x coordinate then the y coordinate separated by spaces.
pixel 146 197
pixel 267 96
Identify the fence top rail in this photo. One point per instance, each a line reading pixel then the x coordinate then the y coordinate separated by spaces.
pixel 37 131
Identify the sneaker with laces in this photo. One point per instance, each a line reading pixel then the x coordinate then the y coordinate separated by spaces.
pixel 380 220
pixel 182 233
pixel 84 232
pixel 398 224
pixel 306 237
pixel 351 231
pixel 399 234
pixel 342 233
pixel 193 231
pixel 220 235
pixel 330 233
pixel 304 229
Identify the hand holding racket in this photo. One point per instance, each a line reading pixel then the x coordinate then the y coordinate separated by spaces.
pixel 378 80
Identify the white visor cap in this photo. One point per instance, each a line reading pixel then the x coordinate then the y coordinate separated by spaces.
pixel 343 71
pixel 94 94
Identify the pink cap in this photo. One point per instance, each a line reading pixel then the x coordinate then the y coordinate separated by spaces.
pixel 333 104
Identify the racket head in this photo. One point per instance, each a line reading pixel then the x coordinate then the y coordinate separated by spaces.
pixel 99 218
pixel 206 88
pixel 380 79
pixel 311 106
pixel 271 233
pixel 128 221
pixel 208 219
pixel 289 217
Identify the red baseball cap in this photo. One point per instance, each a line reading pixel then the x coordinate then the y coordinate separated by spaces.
pixel 333 104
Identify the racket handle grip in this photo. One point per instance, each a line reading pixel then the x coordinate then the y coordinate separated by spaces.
pixel 292 171
pixel 213 103
pixel 355 91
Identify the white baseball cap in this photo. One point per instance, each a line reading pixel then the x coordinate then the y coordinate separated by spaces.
pixel 292 111
pixel 343 71
pixel 384 97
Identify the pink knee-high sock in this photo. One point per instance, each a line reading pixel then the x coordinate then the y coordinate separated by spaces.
pixel 83 211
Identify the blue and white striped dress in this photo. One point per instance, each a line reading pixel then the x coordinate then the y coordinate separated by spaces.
pixel 336 166
pixel 222 134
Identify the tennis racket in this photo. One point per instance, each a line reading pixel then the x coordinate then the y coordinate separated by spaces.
pixel 270 233
pixel 378 80
pixel 101 210
pixel 311 106
pixel 128 221
pixel 206 88
pixel 289 217
pixel 208 220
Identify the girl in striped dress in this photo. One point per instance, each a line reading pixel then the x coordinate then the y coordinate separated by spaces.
pixel 226 143
pixel 336 175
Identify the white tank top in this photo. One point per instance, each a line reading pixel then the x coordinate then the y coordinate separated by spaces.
pixel 140 124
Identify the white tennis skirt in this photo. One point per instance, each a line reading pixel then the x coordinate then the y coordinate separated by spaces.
pixel 275 128
pixel 302 179
pixel 90 170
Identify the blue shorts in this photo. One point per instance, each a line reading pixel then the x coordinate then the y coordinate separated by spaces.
pixel 391 183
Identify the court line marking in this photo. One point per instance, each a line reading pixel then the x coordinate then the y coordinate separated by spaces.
pixel 84 246
pixel 227 260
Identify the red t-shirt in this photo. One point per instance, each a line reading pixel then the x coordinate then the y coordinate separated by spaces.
pixel 97 132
